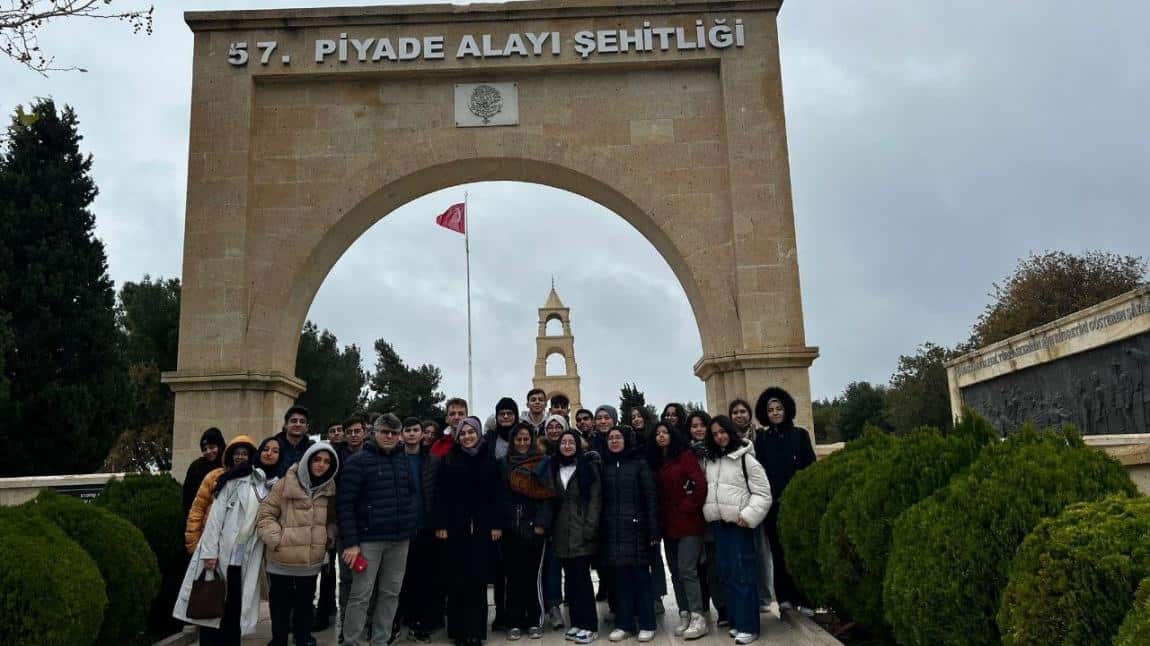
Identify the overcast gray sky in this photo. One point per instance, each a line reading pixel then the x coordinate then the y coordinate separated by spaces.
pixel 932 143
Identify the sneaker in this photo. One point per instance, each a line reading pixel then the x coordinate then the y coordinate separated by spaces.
pixel 514 634
pixel 684 622
pixel 732 632
pixel 555 616
pixel 764 608
pixel 745 638
pixel 585 637
pixel 571 633
pixel 534 632
pixel 723 622
pixel 698 627
pixel 659 609
pixel 646 635
pixel 618 635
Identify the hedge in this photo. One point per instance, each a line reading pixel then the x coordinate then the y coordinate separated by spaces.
pixel 804 501
pixel 951 552
pixel 1135 629
pixel 131 574
pixel 1074 577
pixel 51 592
pixel 154 504
pixel 854 534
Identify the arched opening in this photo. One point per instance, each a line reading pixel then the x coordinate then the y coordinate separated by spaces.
pixel 554 327
pixel 521 234
pixel 556 365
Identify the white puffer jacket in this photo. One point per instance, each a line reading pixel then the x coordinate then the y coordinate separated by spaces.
pixel 732 495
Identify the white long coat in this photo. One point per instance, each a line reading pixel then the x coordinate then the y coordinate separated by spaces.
pixel 731 495
pixel 234 510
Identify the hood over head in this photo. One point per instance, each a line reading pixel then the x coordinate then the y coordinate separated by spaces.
pixel 506 403
pixel 303 472
pixel 614 414
pixel 558 418
pixel 238 441
pixel 788 402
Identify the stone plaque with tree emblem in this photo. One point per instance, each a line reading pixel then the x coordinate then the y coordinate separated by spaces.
pixel 486 104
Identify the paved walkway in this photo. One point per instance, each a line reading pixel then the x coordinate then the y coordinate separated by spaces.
pixel 774 631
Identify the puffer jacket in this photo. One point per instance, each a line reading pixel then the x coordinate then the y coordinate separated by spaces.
pixel 574 524
pixel 681 502
pixel 296 527
pixel 731 495
pixel 630 509
pixel 375 499
pixel 202 505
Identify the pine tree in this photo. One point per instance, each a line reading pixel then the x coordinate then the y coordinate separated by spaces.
pixel 404 390
pixel 65 371
pixel 334 378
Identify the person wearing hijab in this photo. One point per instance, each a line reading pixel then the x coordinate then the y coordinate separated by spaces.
pixel 211 458
pixel 573 521
pixel 230 546
pixel 296 522
pixel 631 529
pixel 467 515
pixel 524 539
pixel 784 449
pixel 552 577
pixel 497 441
pixel 738 497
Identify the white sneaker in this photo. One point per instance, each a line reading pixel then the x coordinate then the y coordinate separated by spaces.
pixel 684 622
pixel 585 637
pixel 646 635
pixel 745 638
pixel 618 635
pixel 732 632
pixel 571 633
pixel 555 616
pixel 698 627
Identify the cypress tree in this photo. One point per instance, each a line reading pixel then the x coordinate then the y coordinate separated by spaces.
pixel 62 360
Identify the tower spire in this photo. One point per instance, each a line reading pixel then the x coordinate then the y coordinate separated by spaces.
pixel 562 344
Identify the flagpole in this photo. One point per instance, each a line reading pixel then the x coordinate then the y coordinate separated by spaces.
pixel 467 256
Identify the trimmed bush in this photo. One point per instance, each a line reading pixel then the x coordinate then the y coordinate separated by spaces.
pixel 154 504
pixel 951 552
pixel 131 574
pixel 1074 577
pixel 854 534
pixel 1135 629
pixel 50 589
pixel 802 505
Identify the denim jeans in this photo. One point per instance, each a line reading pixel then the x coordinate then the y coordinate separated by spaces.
pixel 737 564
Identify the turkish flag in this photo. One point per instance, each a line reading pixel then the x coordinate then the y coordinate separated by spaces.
pixel 454 218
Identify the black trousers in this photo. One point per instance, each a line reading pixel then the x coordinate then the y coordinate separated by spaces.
pixel 326 606
pixel 785 588
pixel 522 565
pixel 579 593
pixel 499 582
pixel 418 608
pixel 228 634
pixel 289 600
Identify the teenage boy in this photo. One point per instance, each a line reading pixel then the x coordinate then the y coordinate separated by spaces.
pixel 536 414
pixel 416 608
pixel 293 439
pixel 561 406
pixel 456 410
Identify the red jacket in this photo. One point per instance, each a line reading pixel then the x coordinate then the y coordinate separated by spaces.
pixel 682 511
pixel 442 446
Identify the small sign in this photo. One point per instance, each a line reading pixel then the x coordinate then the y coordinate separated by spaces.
pixel 486 104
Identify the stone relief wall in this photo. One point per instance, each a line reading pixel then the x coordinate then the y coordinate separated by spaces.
pixel 1102 391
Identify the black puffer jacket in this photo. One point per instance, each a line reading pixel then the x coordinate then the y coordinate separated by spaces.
pixel 630 508
pixel 469 494
pixel 375 497
pixel 782 449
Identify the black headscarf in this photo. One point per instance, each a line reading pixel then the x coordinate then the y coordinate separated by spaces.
pixel 584 472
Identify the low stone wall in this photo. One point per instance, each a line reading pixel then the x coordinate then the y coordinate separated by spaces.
pixel 16 491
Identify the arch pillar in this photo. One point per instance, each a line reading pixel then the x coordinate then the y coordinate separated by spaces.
pixel 746 374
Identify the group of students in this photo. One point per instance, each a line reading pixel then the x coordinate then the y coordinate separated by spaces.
pixel 424 520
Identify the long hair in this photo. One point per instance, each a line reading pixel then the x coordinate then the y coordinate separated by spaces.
pixel 678 444
pixel 701 415
pixel 734 440
pixel 679 411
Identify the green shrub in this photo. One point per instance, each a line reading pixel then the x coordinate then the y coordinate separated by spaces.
pixel 154 504
pixel 854 534
pixel 802 505
pixel 1135 629
pixel 131 574
pixel 951 552
pixel 1074 577
pixel 51 592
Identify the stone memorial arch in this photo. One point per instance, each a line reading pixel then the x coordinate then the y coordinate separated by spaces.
pixel 309 125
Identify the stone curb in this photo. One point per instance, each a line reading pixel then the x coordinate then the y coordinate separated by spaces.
pixel 182 638
pixel 808 633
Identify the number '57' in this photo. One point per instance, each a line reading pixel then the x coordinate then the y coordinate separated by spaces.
pixel 238 52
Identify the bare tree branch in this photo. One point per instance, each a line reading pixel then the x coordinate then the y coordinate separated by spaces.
pixel 21 20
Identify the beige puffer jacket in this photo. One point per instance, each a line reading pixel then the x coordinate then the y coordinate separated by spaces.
pixel 297 528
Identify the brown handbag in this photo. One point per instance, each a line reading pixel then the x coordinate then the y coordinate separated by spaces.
pixel 207 598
